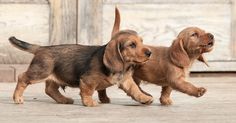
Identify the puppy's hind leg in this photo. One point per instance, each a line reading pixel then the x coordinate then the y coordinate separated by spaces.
pixel 102 95
pixel 52 91
pixel 38 70
pixel 20 87
pixel 165 95
pixel 23 81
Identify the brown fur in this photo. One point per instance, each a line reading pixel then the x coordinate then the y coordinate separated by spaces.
pixel 172 63
pixel 168 66
pixel 88 67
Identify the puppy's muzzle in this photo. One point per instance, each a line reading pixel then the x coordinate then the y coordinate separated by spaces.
pixel 148 53
pixel 210 36
pixel 211 40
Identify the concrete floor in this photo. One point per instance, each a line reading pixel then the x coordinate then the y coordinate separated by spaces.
pixel 218 105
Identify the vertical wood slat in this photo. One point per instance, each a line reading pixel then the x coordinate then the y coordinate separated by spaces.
pixel 24 1
pixel 90 22
pixel 233 29
pixel 63 21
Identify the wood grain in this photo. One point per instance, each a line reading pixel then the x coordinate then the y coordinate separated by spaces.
pixel 166 1
pixel 159 24
pixel 90 22
pixel 28 22
pixel 63 21
pixel 24 1
pixel 233 30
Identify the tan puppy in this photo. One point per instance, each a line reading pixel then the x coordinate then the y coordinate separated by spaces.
pixel 168 66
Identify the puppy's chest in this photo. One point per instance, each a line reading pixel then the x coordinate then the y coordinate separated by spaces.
pixel 118 78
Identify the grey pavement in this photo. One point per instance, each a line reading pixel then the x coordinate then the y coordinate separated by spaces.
pixel 218 105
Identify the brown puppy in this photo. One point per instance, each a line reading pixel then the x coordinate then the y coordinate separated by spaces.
pixel 168 66
pixel 172 63
pixel 88 67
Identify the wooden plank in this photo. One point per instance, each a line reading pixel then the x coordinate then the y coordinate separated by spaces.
pixel 221 66
pixel 90 22
pixel 18 68
pixel 159 24
pixel 23 1
pixel 28 22
pixel 233 30
pixel 165 1
pixel 63 19
pixel 7 73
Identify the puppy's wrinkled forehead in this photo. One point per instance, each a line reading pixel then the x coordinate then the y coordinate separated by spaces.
pixel 125 34
pixel 191 30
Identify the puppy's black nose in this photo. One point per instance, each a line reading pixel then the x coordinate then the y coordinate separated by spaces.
pixel 148 53
pixel 210 36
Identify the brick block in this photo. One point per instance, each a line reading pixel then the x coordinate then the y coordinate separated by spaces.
pixel 7 73
pixel 19 68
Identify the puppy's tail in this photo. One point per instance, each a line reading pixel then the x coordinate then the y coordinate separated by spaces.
pixel 116 27
pixel 31 48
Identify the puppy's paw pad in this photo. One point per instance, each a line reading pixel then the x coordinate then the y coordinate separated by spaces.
pixel 166 101
pixel 201 91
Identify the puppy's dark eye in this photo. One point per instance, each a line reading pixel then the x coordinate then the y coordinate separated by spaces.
pixel 132 45
pixel 194 34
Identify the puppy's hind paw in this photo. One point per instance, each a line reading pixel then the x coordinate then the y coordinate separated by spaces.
pixel 105 100
pixel 165 101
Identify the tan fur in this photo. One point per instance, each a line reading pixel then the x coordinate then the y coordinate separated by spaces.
pixel 168 66
pixel 172 63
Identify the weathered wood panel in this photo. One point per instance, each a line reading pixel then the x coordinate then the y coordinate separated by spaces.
pixel 63 21
pixel 233 29
pixel 164 1
pixel 24 1
pixel 159 24
pixel 90 22
pixel 28 22
pixel 218 66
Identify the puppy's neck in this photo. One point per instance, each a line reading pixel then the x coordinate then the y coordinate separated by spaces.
pixel 126 68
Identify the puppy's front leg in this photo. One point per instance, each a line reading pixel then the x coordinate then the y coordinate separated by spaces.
pixel 86 93
pixel 165 95
pixel 133 90
pixel 188 88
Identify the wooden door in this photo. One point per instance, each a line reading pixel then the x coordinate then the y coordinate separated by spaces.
pixel 47 22
pixel 43 22
pixel 159 22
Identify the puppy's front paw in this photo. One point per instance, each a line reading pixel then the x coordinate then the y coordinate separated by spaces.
pixel 201 91
pixel 146 100
pixel 91 103
pixel 18 99
pixel 165 101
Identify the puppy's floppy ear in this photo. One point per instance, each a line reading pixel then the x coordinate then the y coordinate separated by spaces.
pixel 178 55
pixel 202 59
pixel 116 27
pixel 112 57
